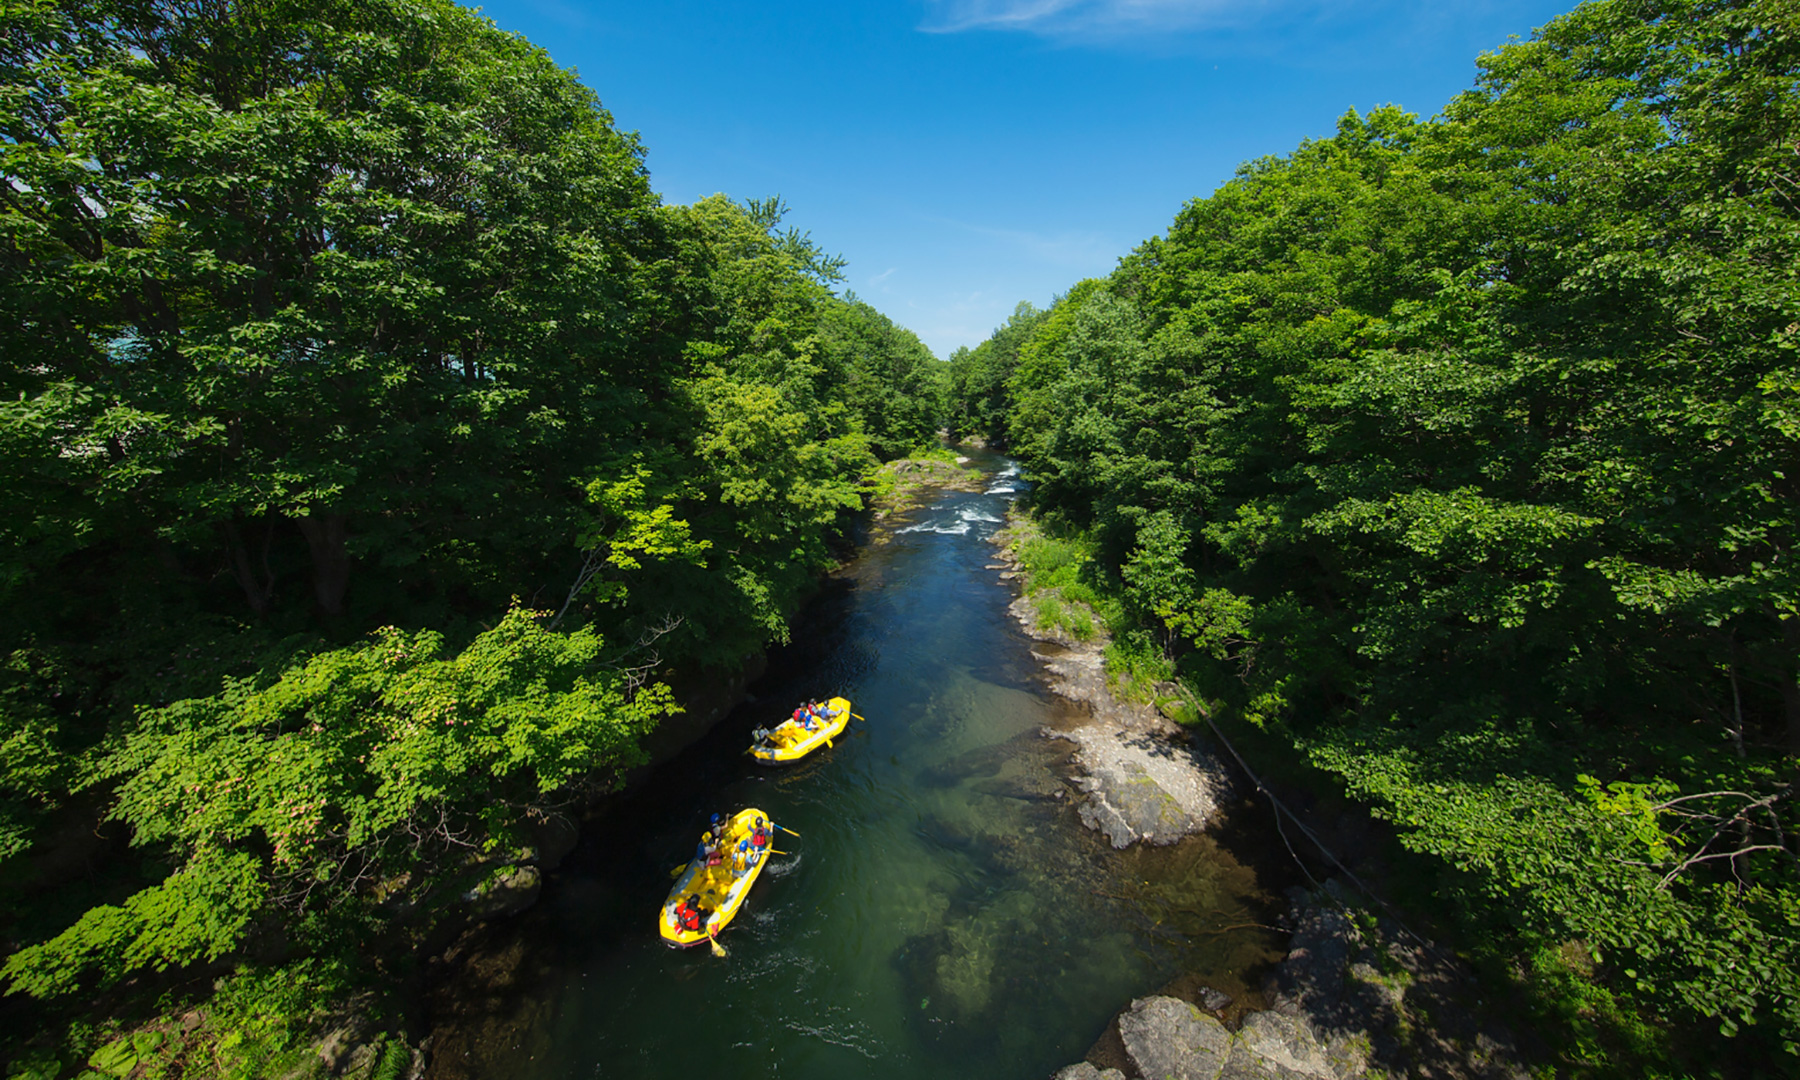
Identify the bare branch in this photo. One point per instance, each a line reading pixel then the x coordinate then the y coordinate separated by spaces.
pixel 1671 875
pixel 589 567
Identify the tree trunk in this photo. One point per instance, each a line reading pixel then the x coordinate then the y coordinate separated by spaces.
pixel 326 532
pixel 256 594
pixel 1790 685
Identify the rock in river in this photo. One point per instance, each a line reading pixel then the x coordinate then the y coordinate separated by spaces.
pixel 1142 784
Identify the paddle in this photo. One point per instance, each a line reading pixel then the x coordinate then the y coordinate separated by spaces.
pixel 785 829
pixel 863 719
pixel 675 873
pixel 772 851
pixel 712 935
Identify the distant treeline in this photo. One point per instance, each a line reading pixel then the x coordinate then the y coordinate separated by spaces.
pixel 1464 455
pixel 374 446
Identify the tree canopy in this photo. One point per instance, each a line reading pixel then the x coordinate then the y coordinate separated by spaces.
pixel 1462 453
pixel 375 448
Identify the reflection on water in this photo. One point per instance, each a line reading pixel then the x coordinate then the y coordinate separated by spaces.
pixel 942 907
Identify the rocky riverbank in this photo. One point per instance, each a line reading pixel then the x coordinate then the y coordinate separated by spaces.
pixel 1144 776
pixel 1356 995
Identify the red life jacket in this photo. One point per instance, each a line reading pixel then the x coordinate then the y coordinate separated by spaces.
pixel 760 839
pixel 689 916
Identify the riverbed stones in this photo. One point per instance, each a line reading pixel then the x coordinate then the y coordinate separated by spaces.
pixel 1356 997
pixel 553 837
pixel 1168 1037
pixel 1083 1071
pixel 1213 1000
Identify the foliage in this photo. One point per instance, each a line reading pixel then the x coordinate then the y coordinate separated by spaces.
pixel 1460 453
pixel 356 767
pixel 890 379
pixel 330 329
pixel 976 384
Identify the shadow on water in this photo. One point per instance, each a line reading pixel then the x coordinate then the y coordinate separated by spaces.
pixel 942 905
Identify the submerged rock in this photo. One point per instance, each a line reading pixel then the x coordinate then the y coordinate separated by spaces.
pixel 1213 1000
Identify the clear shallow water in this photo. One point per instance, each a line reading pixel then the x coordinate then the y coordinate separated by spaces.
pixel 943 908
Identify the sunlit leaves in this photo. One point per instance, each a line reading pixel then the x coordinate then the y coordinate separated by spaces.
pixel 354 766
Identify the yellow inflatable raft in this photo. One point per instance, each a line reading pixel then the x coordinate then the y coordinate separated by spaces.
pixel 792 740
pixel 718 890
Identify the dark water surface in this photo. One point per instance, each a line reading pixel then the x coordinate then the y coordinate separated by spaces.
pixel 943 910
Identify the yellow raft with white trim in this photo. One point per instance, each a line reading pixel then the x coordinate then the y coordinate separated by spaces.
pixel 792 740
pixel 720 889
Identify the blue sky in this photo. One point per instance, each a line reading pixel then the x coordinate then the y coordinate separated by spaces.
pixel 965 155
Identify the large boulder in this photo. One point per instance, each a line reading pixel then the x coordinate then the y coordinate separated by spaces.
pixel 1280 1048
pixel 1167 1037
pixel 1143 785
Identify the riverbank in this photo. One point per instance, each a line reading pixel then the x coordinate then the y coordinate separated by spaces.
pixel 1144 776
pixel 1356 994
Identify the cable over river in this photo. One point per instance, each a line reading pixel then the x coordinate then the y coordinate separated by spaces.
pixel 943 910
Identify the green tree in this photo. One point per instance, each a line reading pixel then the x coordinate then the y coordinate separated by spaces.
pixel 387 771
pixel 1478 492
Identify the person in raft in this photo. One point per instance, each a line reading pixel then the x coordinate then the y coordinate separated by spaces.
pixel 689 915
pixel 707 854
pixel 804 717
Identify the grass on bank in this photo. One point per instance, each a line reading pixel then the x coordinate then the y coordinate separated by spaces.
pixel 1064 579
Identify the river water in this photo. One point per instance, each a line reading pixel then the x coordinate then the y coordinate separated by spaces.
pixel 942 912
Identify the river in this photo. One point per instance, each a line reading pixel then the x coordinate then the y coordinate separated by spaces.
pixel 943 910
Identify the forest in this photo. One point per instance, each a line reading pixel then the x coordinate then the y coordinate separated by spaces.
pixel 1458 457
pixel 379 454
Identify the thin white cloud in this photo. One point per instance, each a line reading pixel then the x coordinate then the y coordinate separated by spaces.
pixel 883 276
pixel 1089 252
pixel 1062 18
